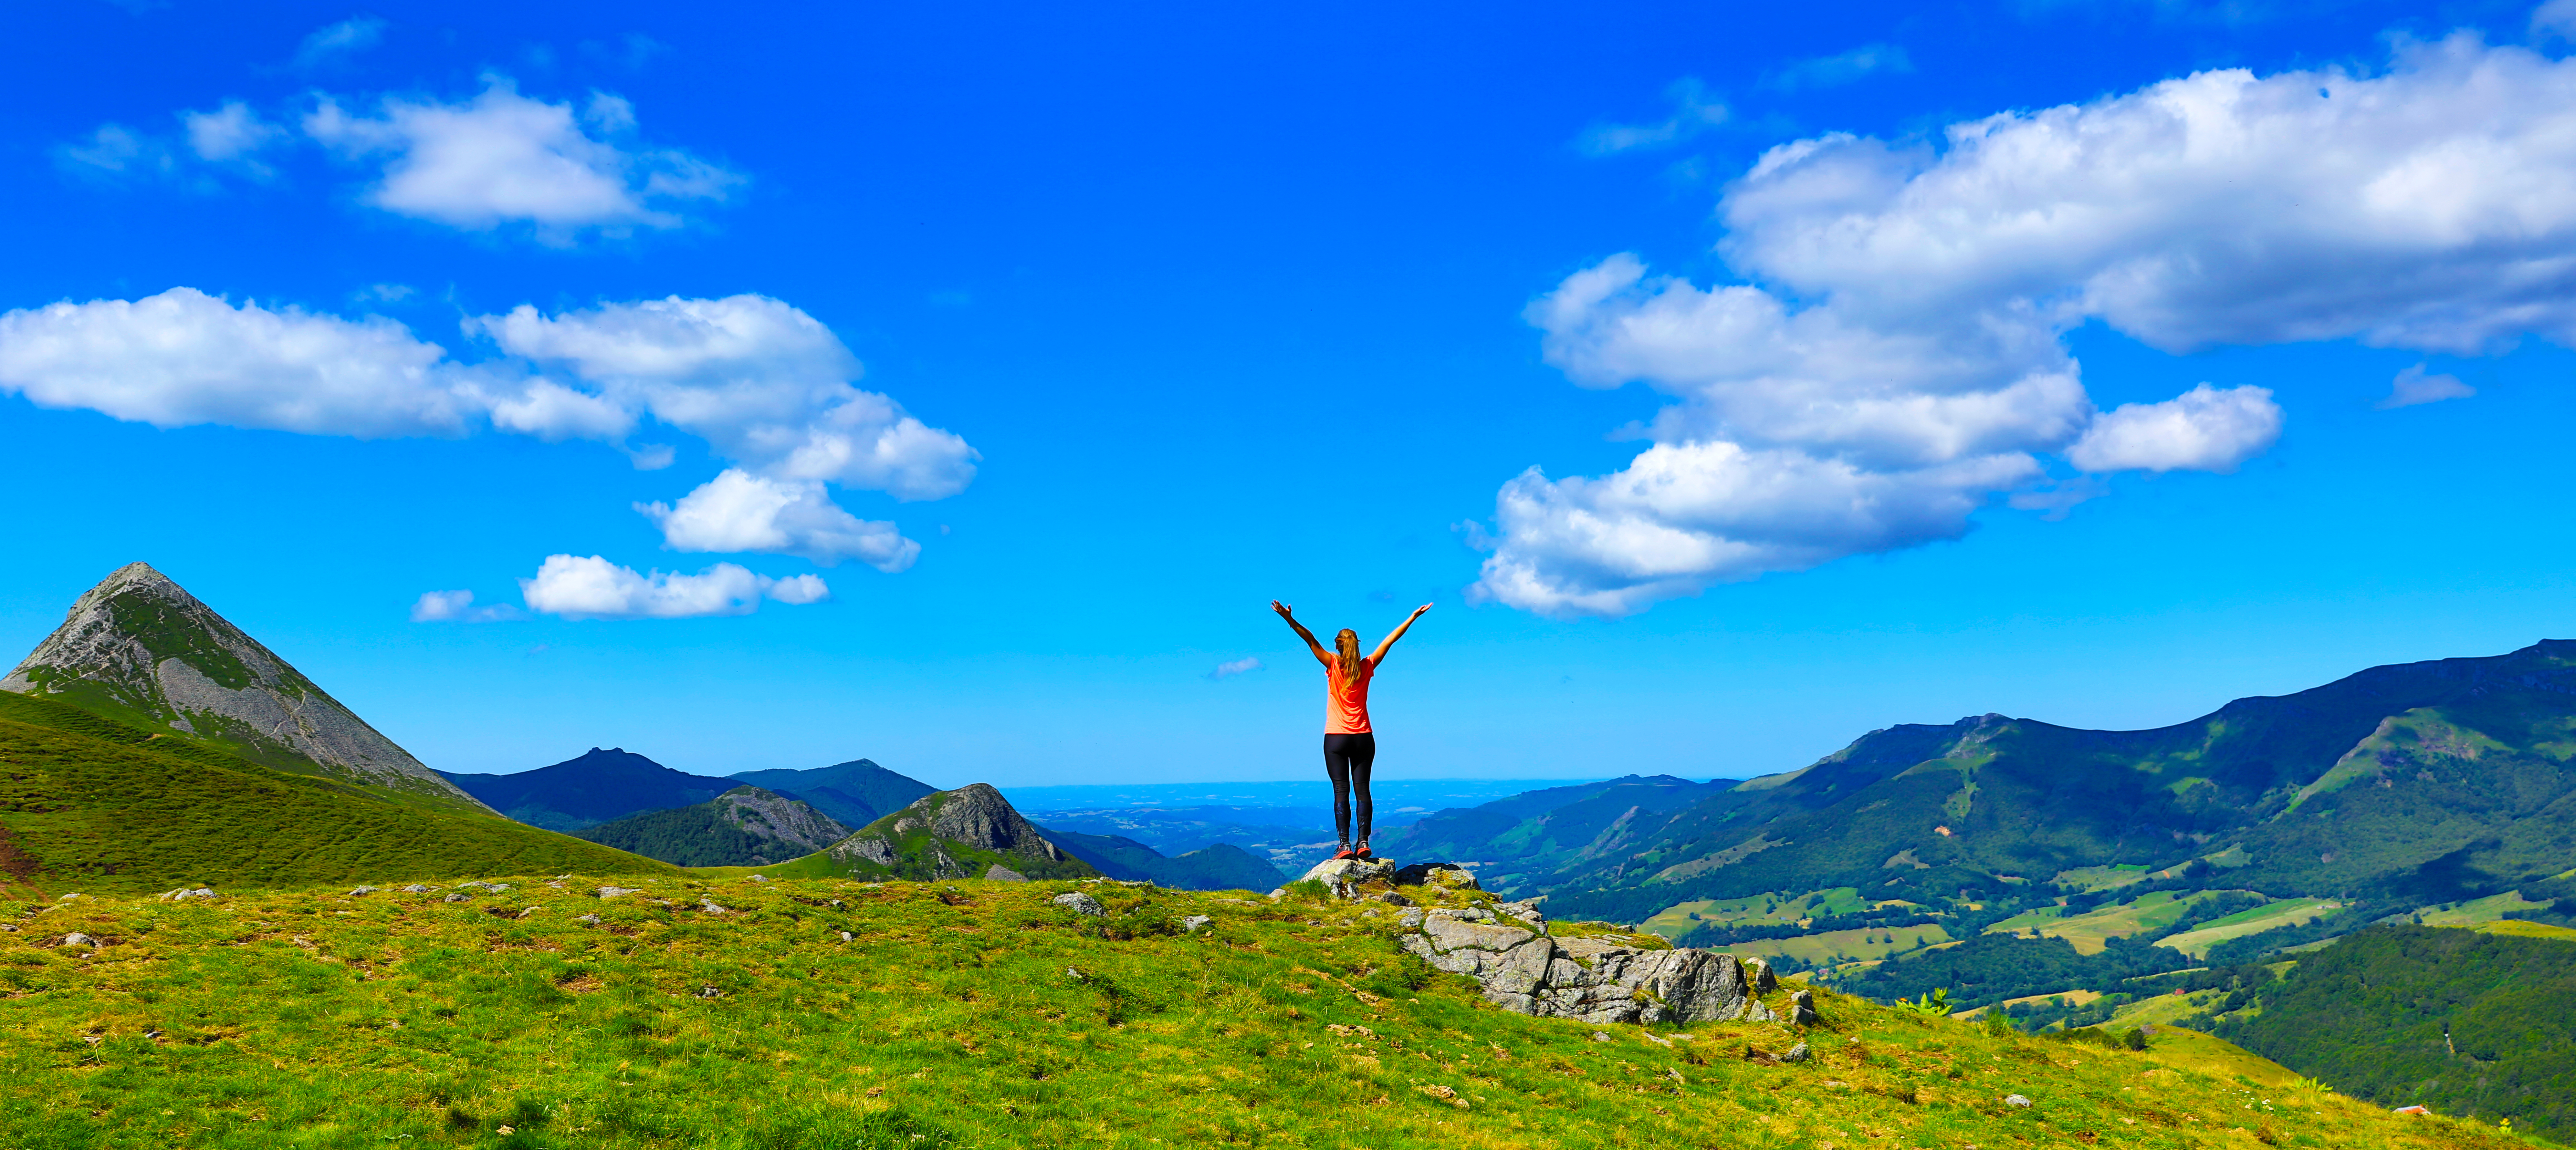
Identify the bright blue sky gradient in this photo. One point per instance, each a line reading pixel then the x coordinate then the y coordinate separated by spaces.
pixel 1231 307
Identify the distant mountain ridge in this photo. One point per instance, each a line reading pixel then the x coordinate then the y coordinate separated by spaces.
pixel 596 787
pixel 2423 781
pixel 141 650
pixel 962 833
pixel 1222 866
pixel 745 826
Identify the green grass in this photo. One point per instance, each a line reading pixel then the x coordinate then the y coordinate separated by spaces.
pixel 2489 909
pixel 978 1014
pixel 2287 912
pixel 2092 931
pixel 1759 910
pixel 89 804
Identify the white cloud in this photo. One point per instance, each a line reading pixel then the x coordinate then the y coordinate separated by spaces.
pixel 2203 429
pixel 2555 17
pixel 503 158
pixel 1843 67
pixel 184 357
pixel 1693 112
pixel 739 511
pixel 578 587
pixel 346 38
pixel 2412 387
pixel 1895 360
pixel 767 386
pixel 1233 667
pixel 458 607
pixel 117 150
pixel 231 133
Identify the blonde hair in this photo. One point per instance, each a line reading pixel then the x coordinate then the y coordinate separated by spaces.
pixel 1347 642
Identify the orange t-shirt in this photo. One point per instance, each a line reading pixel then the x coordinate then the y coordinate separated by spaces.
pixel 1346 699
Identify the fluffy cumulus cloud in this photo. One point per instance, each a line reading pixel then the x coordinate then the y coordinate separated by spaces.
pixel 767 387
pixel 591 587
pixel 1894 357
pixel 503 158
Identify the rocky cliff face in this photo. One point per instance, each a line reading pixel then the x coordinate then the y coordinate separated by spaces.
pixel 797 827
pixel 139 649
pixel 955 834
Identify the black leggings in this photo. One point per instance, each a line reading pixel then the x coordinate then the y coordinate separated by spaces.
pixel 1347 759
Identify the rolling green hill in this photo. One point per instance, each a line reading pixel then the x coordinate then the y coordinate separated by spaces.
pixel 962 833
pixel 740 1015
pixel 89 804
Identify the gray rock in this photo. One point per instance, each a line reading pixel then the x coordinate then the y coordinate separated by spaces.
pixel 592 919
pixel 709 905
pixel 1080 903
pixel 1802 1008
pixel 416 888
pixel 760 877
pixel 1436 874
pixel 456 896
pixel 845 936
pixel 1591 979
pixel 76 938
pixel 1393 899
pixel 1195 922
pixel 1343 876
pixel 999 873
pixel 619 891
pixel 182 894
pixel 1759 974
pixel 1597 1036
pixel 2015 1100
pixel 362 890
pixel 974 816
pixel 1798 1053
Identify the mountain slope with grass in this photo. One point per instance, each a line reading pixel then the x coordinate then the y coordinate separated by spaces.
pixel 597 787
pixel 834 1013
pixel 2408 784
pixel 139 649
pixel 90 804
pixel 962 833
pixel 2466 1022
pixel 857 792
pixel 745 826
pixel 1220 867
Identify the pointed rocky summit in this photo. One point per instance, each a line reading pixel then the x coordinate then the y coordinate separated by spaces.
pixel 140 650
pixel 962 833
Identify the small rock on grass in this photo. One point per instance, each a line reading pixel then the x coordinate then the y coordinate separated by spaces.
pixel 2015 1100
pixel 999 873
pixel 1196 921
pixel 416 888
pixel 76 938
pixel 1080 903
pixel 1798 1053
pixel 619 891
pixel 1598 1036
pixel 592 919
pixel 362 890
pixel 455 896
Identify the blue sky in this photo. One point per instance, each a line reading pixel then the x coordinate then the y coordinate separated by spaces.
pixel 982 373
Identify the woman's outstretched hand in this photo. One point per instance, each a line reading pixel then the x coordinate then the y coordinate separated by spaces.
pixel 1417 612
pixel 1282 608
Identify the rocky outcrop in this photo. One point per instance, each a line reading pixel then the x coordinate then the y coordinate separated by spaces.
pixel 951 835
pixel 139 649
pixel 797 826
pixel 1524 968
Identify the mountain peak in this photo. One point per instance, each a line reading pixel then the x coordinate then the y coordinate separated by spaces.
pixel 138 648
pixel 954 834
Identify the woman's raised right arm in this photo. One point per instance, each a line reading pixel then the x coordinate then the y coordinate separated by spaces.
pixel 1286 612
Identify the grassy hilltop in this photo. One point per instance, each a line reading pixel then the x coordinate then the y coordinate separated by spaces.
pixel 725 1012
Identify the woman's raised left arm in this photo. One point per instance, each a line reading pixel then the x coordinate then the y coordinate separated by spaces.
pixel 1398 633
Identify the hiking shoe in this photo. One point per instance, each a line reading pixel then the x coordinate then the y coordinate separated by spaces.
pixel 1361 851
pixel 1344 853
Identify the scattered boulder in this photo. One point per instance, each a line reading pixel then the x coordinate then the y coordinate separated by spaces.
pixel 1193 923
pixel 456 896
pixel 1759 974
pixel 760 878
pixel 417 888
pixel 1597 1036
pixel 1392 899
pixel 362 890
pixel 1080 903
pixel 182 894
pixel 845 936
pixel 1802 1008
pixel 76 938
pixel 709 905
pixel 1798 1053
pixel 1597 980
pixel 592 919
pixel 619 891
pixel 2016 1100
pixel 494 887
pixel 1340 875
pixel 999 873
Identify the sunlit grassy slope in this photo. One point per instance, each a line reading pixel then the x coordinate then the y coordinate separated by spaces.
pixel 88 803
pixel 981 1014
